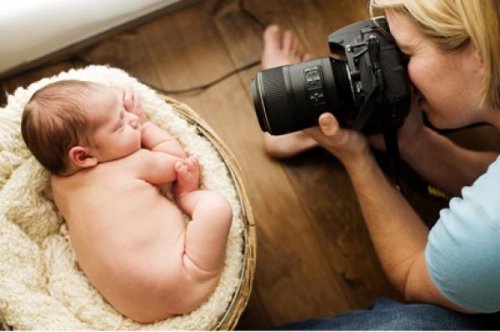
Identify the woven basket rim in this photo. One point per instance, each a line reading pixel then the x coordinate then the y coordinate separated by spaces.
pixel 229 320
pixel 240 299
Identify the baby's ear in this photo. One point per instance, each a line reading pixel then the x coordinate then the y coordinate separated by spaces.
pixel 81 157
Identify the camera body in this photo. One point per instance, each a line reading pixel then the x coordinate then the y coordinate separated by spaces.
pixel 367 88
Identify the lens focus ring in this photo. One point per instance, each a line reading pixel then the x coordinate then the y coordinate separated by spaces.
pixel 276 100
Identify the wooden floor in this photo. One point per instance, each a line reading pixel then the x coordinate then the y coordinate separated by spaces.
pixel 314 256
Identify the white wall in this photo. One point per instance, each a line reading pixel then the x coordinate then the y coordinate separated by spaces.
pixel 31 29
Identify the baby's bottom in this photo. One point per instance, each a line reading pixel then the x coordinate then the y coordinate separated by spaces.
pixel 211 215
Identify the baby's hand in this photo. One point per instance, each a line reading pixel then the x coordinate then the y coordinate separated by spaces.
pixel 188 175
pixel 132 103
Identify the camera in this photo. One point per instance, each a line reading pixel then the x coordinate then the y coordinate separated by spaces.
pixel 366 89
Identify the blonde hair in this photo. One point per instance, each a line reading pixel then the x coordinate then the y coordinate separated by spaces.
pixel 452 24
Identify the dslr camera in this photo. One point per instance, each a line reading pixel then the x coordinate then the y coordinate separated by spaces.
pixel 366 89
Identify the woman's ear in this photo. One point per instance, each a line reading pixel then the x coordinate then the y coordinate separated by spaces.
pixel 81 157
pixel 478 58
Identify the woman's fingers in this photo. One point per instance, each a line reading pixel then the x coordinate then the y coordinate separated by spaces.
pixel 328 124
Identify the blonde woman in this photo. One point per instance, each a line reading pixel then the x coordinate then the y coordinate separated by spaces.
pixel 453 270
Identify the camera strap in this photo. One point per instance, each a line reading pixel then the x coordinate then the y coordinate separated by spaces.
pixel 391 145
pixel 390 133
pixel 366 110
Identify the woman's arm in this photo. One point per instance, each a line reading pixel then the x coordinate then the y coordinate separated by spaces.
pixel 435 157
pixel 398 234
pixel 443 163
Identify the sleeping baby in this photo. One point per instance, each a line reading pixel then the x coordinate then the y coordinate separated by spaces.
pixel 107 163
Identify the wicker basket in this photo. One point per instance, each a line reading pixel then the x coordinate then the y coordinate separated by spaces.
pixel 239 301
pixel 18 174
pixel 240 298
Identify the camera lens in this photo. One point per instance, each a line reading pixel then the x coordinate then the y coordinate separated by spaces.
pixel 291 98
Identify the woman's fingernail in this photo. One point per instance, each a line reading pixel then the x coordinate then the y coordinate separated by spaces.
pixel 325 120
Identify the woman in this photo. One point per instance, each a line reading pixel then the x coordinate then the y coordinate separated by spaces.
pixel 453 49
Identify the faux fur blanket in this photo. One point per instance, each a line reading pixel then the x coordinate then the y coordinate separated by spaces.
pixel 40 285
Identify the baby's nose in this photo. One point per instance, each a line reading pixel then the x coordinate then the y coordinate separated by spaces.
pixel 133 120
pixel 134 123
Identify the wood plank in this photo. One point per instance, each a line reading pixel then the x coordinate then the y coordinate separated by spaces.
pixel 340 227
pixel 315 22
pixel 26 78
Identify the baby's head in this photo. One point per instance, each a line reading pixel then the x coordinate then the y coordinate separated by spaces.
pixel 70 125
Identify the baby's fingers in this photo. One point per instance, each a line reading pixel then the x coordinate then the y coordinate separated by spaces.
pixel 129 99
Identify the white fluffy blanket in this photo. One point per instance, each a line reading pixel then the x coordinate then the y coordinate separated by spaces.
pixel 40 285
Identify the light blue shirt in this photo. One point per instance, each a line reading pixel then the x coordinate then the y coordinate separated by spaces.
pixel 463 252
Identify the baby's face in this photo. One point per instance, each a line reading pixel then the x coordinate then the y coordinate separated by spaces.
pixel 117 131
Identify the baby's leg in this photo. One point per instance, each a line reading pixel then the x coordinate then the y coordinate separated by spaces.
pixel 206 234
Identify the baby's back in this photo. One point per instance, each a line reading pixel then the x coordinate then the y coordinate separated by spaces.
pixel 128 238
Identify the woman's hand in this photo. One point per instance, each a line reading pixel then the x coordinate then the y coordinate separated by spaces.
pixel 348 145
pixel 408 133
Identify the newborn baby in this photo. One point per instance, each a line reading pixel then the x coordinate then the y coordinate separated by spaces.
pixel 107 163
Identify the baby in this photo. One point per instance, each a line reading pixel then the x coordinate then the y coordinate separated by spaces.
pixel 107 163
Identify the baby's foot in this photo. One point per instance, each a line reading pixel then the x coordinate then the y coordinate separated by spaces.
pixel 188 175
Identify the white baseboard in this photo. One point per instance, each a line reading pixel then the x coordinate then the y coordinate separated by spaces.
pixel 35 30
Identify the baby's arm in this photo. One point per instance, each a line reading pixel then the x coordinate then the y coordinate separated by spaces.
pixel 155 167
pixel 206 234
pixel 153 137
pixel 157 139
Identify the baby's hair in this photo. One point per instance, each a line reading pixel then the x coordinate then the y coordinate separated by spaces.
pixel 55 120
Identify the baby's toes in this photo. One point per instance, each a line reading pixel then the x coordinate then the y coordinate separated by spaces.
pixel 187 178
pixel 181 168
pixel 192 165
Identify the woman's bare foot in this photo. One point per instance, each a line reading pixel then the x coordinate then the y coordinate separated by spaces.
pixel 281 48
pixel 284 49
pixel 287 145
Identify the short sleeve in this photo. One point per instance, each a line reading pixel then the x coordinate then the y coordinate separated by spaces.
pixel 463 251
